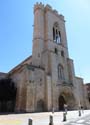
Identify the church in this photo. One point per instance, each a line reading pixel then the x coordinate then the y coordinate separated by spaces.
pixel 46 80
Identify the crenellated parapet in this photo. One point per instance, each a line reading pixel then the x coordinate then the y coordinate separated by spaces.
pixel 38 6
pixel 47 8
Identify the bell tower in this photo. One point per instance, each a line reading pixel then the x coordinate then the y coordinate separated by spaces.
pixel 49 34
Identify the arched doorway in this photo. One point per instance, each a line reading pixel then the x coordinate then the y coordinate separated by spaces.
pixel 61 102
pixel 40 106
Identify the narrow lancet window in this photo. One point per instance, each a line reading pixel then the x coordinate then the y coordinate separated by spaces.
pixel 56 34
pixel 60 72
pixel 53 34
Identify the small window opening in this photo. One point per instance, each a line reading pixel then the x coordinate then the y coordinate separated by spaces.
pixel 56 51
pixel 62 53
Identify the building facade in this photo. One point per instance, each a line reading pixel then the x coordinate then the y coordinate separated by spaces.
pixel 87 86
pixel 46 80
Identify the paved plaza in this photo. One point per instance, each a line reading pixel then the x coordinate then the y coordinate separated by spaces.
pixel 73 118
pixel 81 121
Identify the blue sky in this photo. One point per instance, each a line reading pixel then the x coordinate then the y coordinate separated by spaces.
pixel 16 31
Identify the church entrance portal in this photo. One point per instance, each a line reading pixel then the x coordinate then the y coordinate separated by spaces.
pixel 40 106
pixel 61 102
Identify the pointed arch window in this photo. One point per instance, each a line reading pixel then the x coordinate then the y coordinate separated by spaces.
pixel 60 72
pixel 56 34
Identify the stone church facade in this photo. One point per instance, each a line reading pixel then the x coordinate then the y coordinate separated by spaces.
pixel 47 80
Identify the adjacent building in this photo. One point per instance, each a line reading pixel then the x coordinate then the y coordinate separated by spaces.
pixel 87 86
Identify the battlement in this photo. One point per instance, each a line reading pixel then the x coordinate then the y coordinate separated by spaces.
pixel 47 8
pixel 38 6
